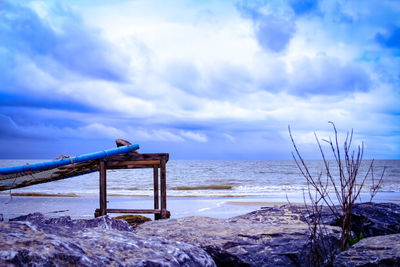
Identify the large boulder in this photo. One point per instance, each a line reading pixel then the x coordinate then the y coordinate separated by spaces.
pixel 40 241
pixel 372 251
pixel 244 243
pixel 370 219
pixel 285 214
pixel 373 219
pixel 104 222
pixel 275 236
pixel 378 221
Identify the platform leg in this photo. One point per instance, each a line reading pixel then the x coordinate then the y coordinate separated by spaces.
pixel 103 189
pixel 156 190
pixel 163 182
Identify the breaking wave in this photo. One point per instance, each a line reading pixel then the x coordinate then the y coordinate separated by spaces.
pixel 203 187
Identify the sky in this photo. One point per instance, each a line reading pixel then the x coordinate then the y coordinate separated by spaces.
pixel 198 79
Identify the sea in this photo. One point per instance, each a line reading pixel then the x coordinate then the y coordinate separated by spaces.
pixel 212 178
pixel 211 182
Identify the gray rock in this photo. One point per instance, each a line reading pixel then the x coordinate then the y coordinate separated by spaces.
pixel 372 251
pixel 269 237
pixel 371 219
pixel 243 243
pixel 40 241
pixel 285 214
pixel 104 222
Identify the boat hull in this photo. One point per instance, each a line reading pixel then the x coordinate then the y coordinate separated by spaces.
pixel 30 174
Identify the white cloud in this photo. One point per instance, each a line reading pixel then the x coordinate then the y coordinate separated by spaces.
pixel 199 137
pixel 96 130
pixel 142 134
pixel 157 70
pixel 229 137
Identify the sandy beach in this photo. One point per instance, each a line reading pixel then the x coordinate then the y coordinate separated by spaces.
pixel 83 207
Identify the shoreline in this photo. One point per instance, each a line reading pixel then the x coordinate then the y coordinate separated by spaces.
pixel 83 207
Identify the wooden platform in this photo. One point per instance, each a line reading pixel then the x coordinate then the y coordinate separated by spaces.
pixel 133 160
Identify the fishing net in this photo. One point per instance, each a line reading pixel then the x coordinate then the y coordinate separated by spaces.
pixel 22 179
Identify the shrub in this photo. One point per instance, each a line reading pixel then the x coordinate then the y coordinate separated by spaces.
pixel 341 183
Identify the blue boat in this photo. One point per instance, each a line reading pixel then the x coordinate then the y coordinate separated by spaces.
pixel 66 167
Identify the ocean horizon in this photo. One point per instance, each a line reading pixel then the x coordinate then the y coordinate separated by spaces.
pixel 207 178
pixel 218 188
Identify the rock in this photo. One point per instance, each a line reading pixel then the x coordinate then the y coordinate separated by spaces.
pixel 371 219
pixel 104 222
pixel 40 241
pixel 375 219
pixel 133 220
pixel 285 214
pixel 372 251
pixel 274 236
pixel 243 243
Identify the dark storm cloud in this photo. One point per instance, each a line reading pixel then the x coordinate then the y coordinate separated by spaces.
pixel 36 58
pixel 15 100
pixel 273 33
pixel 73 45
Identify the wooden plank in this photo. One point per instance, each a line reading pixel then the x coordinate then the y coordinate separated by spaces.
pixel 163 182
pixel 137 156
pixel 103 189
pixel 138 162
pixel 145 211
pixel 129 167
pixel 135 211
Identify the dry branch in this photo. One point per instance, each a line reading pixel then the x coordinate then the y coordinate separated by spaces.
pixel 346 186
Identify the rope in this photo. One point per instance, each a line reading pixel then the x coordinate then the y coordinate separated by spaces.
pixel 13 183
pixel 29 167
pixel 62 156
pixel 30 172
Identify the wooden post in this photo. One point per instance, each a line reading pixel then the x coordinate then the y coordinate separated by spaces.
pixel 156 196
pixel 163 182
pixel 103 189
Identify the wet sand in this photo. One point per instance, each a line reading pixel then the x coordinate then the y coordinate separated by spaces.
pixel 83 207
pixel 256 203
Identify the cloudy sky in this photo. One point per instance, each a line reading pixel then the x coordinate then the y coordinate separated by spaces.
pixel 198 79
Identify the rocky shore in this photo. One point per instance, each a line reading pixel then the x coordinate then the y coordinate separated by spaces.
pixel 276 236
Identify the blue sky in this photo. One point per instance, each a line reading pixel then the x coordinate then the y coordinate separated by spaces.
pixel 198 79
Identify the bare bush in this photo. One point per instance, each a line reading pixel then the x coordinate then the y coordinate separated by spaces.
pixel 341 184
